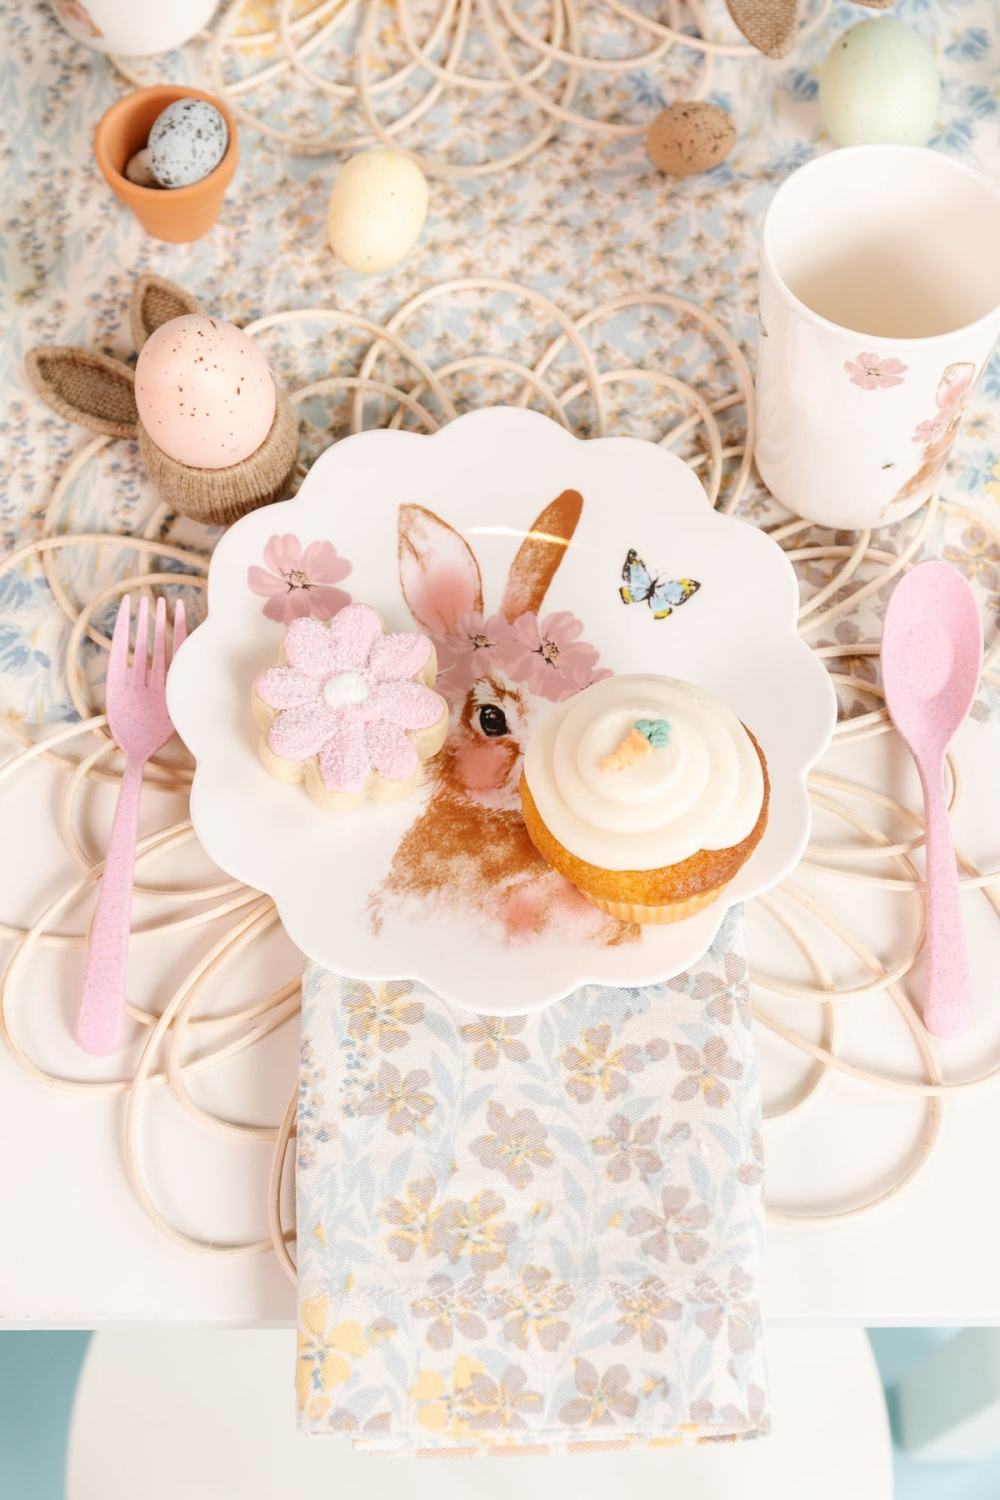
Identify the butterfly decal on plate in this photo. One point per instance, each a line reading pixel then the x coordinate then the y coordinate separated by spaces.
pixel 663 595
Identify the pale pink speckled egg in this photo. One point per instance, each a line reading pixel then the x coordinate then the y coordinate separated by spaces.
pixel 204 392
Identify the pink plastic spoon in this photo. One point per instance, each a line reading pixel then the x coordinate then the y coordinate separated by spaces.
pixel 932 655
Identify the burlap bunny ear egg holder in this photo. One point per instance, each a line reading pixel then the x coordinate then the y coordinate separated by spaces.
pixel 98 392
pixel 772 25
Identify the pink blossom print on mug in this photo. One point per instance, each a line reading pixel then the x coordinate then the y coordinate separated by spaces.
pixel 873 374
pixel 469 847
pixel 297 582
pixel 350 710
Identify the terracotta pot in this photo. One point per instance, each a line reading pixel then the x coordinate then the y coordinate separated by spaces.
pixel 176 215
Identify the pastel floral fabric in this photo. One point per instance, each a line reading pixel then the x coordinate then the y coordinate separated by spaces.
pixel 531 1233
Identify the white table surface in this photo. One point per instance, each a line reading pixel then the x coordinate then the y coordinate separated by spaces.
pixel 210 1416
pixel 78 1250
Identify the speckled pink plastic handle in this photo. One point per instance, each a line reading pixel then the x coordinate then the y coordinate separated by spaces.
pixel 100 1021
pixel 139 722
pixel 932 655
pixel 948 988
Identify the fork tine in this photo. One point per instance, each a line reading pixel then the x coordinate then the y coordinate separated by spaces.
pixel 180 626
pixel 118 657
pixel 159 669
pixel 140 656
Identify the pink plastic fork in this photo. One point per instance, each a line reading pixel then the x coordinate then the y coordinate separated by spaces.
pixel 140 724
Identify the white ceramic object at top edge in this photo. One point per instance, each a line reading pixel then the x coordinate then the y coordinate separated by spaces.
pixel 132 28
pixel 827 448
pixel 488 475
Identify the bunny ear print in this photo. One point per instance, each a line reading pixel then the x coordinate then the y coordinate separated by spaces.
pixel 438 572
pixel 955 384
pixel 540 554
pixel 154 301
pixel 92 389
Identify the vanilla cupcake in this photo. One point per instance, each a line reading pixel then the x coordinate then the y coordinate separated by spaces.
pixel 647 793
pixel 349 710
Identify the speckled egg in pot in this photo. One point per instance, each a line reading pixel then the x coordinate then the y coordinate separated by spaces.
pixel 187 142
pixel 204 392
pixel 139 170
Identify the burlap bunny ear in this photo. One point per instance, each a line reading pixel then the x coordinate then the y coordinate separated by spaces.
pixel 92 389
pixel 155 301
pixel 769 25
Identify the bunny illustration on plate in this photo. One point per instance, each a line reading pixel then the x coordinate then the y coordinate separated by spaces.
pixel 469 847
pixel 226 440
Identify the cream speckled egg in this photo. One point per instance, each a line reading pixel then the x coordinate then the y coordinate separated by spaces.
pixel 204 392
pixel 139 170
pixel 377 209
pixel 880 84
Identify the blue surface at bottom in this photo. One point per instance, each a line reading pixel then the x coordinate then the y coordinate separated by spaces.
pixel 896 1351
pixel 38 1375
pixel 39 1372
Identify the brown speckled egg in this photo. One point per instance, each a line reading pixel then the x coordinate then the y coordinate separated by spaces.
pixel 689 138
pixel 204 392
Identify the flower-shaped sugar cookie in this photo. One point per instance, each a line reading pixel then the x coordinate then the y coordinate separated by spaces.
pixel 350 711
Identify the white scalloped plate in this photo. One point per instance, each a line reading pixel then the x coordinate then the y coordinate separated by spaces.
pixel 488 476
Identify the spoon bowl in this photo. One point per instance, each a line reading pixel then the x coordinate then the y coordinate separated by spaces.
pixel 932 657
pixel 932 652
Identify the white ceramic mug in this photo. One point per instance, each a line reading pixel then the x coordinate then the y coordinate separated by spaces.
pixel 879 308
pixel 132 28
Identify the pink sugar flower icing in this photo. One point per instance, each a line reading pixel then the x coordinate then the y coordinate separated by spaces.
pixel 347 696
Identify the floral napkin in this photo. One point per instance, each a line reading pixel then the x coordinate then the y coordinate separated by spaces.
pixel 531 1233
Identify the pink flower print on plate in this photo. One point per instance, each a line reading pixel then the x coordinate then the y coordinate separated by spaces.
pixel 297 583
pixel 872 373
pixel 347 696
pixel 548 656
pixel 470 651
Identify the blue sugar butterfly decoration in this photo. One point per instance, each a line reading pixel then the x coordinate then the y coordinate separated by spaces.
pixel 663 595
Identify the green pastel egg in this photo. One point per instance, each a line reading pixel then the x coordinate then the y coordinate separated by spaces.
pixel 880 84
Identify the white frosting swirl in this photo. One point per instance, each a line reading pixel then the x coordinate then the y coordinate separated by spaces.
pixel 703 790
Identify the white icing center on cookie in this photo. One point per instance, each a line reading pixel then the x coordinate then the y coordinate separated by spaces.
pixel 345 688
pixel 702 790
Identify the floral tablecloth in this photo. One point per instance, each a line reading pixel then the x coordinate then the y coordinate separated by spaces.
pixel 582 221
